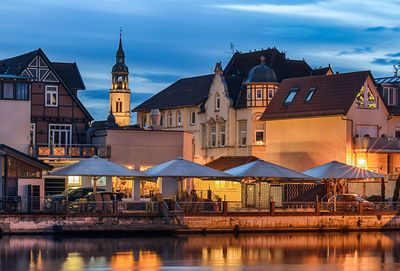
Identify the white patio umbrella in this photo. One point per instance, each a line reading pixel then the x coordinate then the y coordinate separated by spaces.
pixel 96 167
pixel 336 171
pixel 263 171
pixel 181 169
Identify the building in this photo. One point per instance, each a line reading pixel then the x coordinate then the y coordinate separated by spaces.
pixel 15 109
pixel 120 94
pixel 222 110
pixel 58 119
pixel 314 120
pixel 21 175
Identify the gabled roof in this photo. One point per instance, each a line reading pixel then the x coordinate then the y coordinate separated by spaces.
pixel 227 162
pixel 70 74
pixel 334 95
pixel 321 71
pixel 184 92
pixel 29 159
pixel 16 65
pixel 194 90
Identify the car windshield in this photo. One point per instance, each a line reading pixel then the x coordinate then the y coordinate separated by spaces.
pixel 67 192
pixel 359 198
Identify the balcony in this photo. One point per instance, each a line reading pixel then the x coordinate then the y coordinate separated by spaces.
pixel 69 151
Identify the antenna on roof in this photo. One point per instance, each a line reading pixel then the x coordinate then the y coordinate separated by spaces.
pixel 396 70
pixel 232 47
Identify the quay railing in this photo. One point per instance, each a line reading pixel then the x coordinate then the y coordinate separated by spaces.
pixel 70 150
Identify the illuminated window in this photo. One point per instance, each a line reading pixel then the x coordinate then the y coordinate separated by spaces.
pixel 291 95
pixel 179 118
pixel 169 118
pixel 143 168
pixel 222 135
pixel 74 180
pixel 51 95
pixel 102 181
pixel 259 133
pixel 242 134
pixel 366 99
pixel 371 99
pixel 309 95
pixel 249 94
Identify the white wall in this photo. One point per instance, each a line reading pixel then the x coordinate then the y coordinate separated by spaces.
pixel 15 118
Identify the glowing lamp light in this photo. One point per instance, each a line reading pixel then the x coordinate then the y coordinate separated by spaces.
pixel 361 162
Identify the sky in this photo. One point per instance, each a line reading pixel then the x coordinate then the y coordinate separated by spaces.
pixel 165 40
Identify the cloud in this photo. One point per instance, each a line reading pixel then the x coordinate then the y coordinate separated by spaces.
pixel 356 51
pixel 386 61
pixel 382 28
pixel 394 54
pixel 342 12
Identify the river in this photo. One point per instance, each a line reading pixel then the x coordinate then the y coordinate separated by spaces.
pixel 272 251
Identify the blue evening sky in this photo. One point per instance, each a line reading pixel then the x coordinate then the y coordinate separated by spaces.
pixel 166 40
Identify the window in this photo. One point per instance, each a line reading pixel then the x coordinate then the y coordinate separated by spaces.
pixel 259 94
pixel 74 180
pixel 213 136
pixel 8 91
pixel 102 181
pixel 51 95
pixel 217 102
pixel 32 138
pixel 270 93
pixel 118 106
pixel 60 134
pixel 22 91
pixel 243 134
pixel 179 118
pixel 390 95
pixel 397 132
pixel 170 119
pixel 193 118
pixel 259 133
pixel 290 97
pixel 309 95
pixel 161 119
pixel 366 99
pixel 222 135
pixel 204 135
pixel 249 94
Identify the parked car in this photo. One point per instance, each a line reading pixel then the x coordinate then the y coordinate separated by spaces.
pixel 350 202
pixel 103 201
pixel 56 202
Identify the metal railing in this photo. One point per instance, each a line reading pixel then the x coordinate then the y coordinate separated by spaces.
pixel 70 150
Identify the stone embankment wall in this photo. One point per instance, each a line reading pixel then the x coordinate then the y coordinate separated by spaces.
pixel 243 223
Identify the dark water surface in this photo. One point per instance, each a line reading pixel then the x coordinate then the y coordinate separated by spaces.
pixel 297 251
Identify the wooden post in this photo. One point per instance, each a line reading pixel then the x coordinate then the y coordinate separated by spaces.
pixel 317 208
pixel 383 190
pixel 259 196
pixel 334 195
pixel 272 208
pixel 225 207
pixel 94 184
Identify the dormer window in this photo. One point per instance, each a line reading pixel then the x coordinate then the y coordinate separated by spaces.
pixel 291 95
pixel 217 102
pixel 309 95
pixel 390 95
pixel 270 93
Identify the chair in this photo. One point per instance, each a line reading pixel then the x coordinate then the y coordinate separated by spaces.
pixel 99 204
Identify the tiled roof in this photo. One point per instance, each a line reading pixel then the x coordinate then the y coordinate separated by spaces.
pixel 16 65
pixel 320 71
pixel 334 95
pixel 194 91
pixel 70 74
pixel 184 92
pixel 227 162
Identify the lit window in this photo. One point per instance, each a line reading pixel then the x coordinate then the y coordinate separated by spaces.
pixel 222 135
pixel 366 99
pixel 259 133
pixel 74 180
pixel 217 102
pixel 102 181
pixel 22 91
pixel 249 94
pixel 51 95
pixel 8 91
pixel 371 99
pixel 309 95
pixel 193 118
pixel 290 97
pixel 213 136
pixel 259 94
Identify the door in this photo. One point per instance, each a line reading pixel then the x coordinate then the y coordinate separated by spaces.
pixel 60 136
pixel 250 195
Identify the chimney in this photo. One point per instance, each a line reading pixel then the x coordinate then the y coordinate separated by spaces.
pixel 155 118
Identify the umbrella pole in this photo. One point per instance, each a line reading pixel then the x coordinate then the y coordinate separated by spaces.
pixel 94 184
pixel 334 195
pixel 259 196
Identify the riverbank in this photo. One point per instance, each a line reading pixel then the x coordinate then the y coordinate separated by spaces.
pixel 197 223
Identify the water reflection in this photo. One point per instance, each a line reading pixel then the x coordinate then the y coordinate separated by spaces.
pixel 333 251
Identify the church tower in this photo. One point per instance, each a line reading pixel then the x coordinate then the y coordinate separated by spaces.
pixel 120 94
